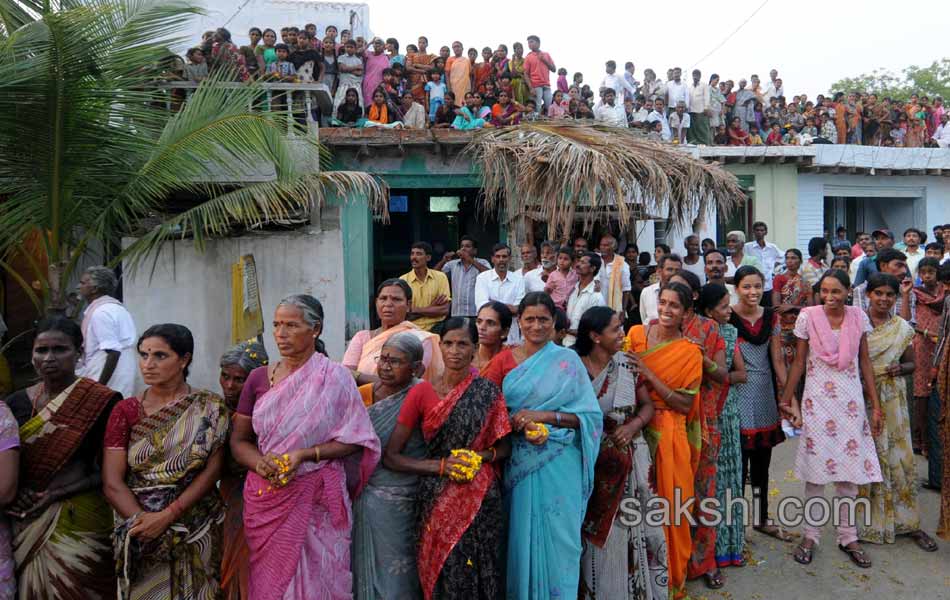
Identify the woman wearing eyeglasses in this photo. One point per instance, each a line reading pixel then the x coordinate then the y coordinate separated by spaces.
pixel 384 515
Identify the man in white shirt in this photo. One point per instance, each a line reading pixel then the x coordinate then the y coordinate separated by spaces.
pixel 942 133
pixel 659 114
pixel 700 109
pixel 501 285
pixel 628 71
pixel 641 111
pixel 616 82
pixel 768 254
pixel 414 116
pixel 693 260
pixel 607 111
pixel 668 266
pixel 680 123
pixel 531 269
pixel 617 296
pixel 912 249
pixel 108 333
pixel 676 89
pixel 775 87
pixel 585 294
pixel 716 272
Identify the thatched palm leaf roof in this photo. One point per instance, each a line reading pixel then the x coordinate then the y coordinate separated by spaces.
pixel 550 169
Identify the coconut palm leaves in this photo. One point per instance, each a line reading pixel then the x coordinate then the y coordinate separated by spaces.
pixel 89 148
pixel 550 170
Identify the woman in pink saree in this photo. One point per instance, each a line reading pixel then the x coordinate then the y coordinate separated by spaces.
pixel 373 65
pixel 303 433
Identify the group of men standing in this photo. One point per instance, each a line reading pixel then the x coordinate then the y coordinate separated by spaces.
pixel 460 283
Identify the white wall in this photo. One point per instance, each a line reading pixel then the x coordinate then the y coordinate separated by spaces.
pixel 930 195
pixel 195 289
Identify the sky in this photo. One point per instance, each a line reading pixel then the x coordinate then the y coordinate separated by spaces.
pixel 845 39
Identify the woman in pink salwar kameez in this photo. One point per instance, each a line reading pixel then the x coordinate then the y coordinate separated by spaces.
pixel 304 434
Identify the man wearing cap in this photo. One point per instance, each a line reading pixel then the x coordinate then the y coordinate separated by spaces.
pixel 882 239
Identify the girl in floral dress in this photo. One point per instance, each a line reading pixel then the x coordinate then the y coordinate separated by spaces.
pixel 837 445
pixel 893 502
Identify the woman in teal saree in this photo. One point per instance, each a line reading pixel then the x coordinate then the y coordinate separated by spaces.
pixel 557 424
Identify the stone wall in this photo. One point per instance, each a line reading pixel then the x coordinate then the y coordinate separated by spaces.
pixel 194 289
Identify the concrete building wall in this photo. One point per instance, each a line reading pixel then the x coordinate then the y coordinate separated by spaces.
pixel 887 201
pixel 194 289
pixel 775 199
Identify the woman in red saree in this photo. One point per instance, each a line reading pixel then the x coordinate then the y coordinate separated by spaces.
pixel 671 367
pixel 790 294
pixel 462 522
pixel 930 299
pixel 705 333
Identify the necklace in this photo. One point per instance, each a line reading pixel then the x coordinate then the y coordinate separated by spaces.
pixel 272 378
pixel 273 373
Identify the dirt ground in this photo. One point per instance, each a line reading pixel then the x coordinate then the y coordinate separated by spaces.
pixel 900 570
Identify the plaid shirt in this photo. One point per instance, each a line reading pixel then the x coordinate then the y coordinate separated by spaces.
pixel 861 300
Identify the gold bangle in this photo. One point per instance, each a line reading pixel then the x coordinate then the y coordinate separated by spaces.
pixel 316 454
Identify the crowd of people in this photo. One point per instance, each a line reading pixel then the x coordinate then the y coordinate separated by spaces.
pixel 374 84
pixel 486 439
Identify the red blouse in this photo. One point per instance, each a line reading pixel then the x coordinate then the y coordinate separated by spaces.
pixel 499 367
pixel 420 400
pixel 124 416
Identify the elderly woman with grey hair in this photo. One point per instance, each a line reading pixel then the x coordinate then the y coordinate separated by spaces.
pixel 236 364
pixel 108 332
pixel 735 242
pixel 305 437
pixel 384 516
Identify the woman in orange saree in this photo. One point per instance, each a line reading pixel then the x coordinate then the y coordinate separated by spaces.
pixel 705 333
pixel 671 367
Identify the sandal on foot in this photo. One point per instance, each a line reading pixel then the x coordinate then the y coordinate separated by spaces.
pixel 775 532
pixel 857 556
pixel 924 541
pixel 714 579
pixel 803 555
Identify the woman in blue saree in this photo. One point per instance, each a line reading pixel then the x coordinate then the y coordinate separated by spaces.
pixel 557 424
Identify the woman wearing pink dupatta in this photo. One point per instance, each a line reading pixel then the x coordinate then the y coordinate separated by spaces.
pixel 837 444
pixel 302 431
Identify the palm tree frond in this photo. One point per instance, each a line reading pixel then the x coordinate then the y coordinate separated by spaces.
pixel 254 204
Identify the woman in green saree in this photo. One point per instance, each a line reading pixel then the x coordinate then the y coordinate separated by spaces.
pixel 163 458
pixel 61 522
